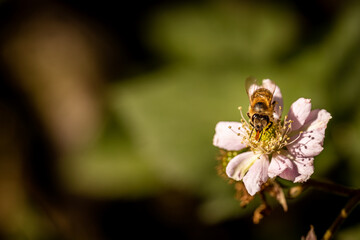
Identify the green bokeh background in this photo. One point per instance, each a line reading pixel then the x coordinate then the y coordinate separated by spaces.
pixel 159 121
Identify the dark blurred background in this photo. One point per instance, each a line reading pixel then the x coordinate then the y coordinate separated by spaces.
pixel 108 109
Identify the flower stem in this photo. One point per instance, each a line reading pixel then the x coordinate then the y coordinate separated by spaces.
pixel 331 187
pixel 344 213
pixel 354 199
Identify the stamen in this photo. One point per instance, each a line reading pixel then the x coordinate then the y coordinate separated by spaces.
pixel 297 137
pixel 242 116
pixel 271 139
pixel 237 133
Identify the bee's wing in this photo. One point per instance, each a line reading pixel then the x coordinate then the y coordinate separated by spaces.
pixel 251 85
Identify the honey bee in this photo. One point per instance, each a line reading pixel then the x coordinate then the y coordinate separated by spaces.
pixel 261 108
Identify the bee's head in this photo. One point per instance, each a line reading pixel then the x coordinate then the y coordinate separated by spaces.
pixel 260 121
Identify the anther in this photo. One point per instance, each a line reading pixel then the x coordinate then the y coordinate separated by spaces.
pixel 229 127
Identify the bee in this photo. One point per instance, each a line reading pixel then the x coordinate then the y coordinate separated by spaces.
pixel 261 107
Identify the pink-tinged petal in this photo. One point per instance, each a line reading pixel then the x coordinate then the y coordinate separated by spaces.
pixel 257 175
pixel 305 168
pixel 279 163
pixel 229 139
pixel 240 164
pixel 317 120
pixel 290 173
pixel 309 144
pixel 295 170
pixel 299 112
pixel 311 234
pixel 277 97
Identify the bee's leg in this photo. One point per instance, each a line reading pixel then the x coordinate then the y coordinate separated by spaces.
pixel 248 114
pixel 260 135
pixel 269 126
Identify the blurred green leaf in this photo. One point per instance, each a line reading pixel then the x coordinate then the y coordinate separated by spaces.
pixel 169 114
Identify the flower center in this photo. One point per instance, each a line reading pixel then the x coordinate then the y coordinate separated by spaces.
pixel 272 139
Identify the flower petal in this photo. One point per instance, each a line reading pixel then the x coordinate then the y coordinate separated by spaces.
pixel 290 173
pixel 257 175
pixel 279 103
pixel 299 112
pixel 311 234
pixel 309 144
pixel 229 139
pixel 305 167
pixel 295 170
pixel 279 163
pixel 317 120
pixel 240 164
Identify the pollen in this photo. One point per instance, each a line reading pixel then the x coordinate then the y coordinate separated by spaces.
pixel 272 139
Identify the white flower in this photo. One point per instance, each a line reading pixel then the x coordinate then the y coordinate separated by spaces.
pixel 287 149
